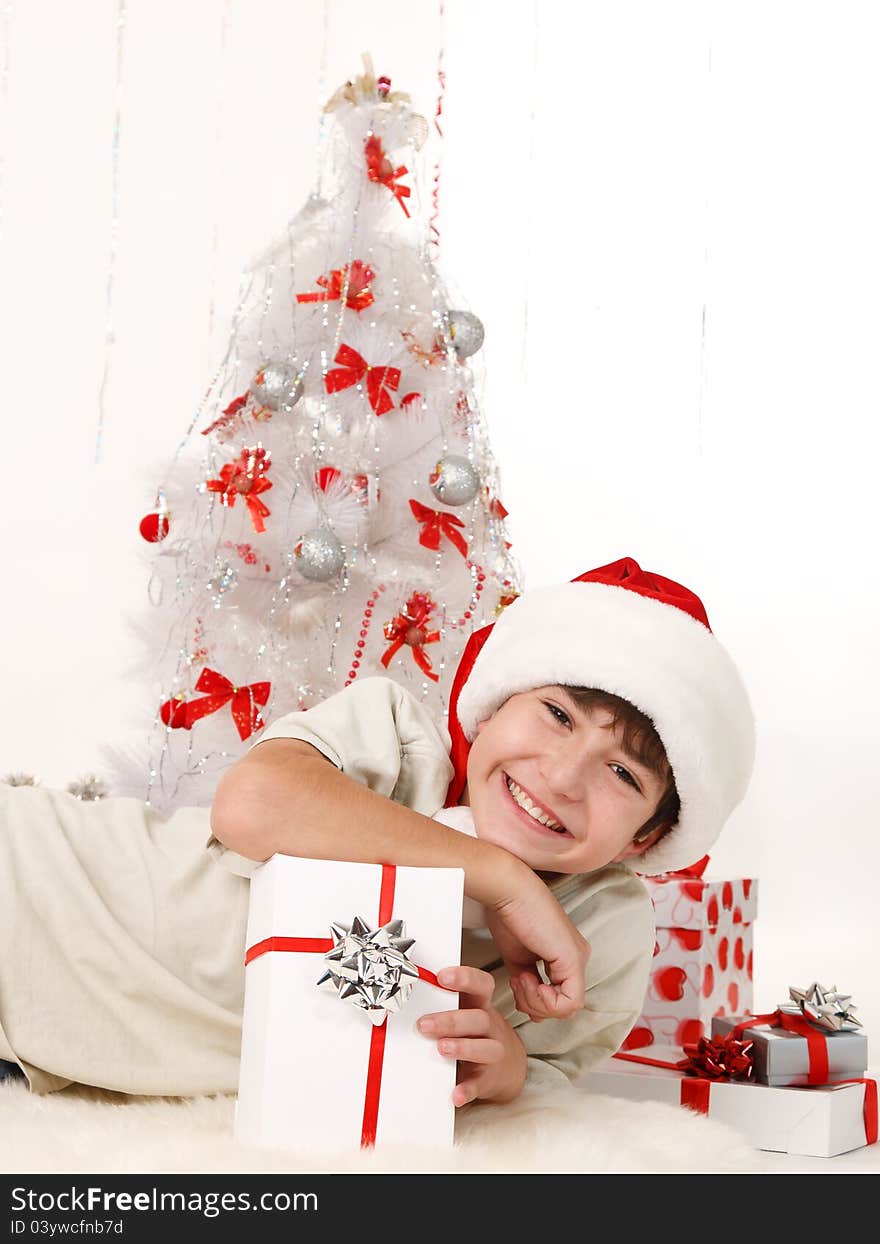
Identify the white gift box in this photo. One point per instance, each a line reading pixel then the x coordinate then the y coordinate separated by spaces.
pixel 820 1121
pixel 305 1052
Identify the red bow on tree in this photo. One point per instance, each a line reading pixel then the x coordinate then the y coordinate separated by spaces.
pixel 409 627
pixel 353 280
pixel 437 523
pixel 246 703
pixel 382 171
pixel 354 368
pixel 245 477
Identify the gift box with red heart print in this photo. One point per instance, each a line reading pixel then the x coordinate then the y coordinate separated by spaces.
pixel 702 964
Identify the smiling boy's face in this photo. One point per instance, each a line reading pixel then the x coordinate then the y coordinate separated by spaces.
pixel 539 746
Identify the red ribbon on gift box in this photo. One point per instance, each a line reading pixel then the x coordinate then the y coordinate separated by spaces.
pixel 320 945
pixel 693 870
pixel 696 1088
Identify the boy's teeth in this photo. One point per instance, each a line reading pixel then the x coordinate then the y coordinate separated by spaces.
pixel 526 804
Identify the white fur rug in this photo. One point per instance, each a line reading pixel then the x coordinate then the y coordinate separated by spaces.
pixel 560 1131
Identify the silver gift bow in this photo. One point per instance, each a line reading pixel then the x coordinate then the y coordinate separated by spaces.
pixel 826 1008
pixel 369 967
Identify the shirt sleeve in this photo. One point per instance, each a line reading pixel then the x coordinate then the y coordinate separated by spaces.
pixel 376 732
pixel 616 916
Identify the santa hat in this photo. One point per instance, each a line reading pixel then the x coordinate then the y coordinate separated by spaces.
pixel 640 636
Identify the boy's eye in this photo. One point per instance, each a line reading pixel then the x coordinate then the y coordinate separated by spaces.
pixel 627 776
pixel 558 713
pixel 563 717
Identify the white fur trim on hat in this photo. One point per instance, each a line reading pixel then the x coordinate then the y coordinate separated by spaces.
pixel 651 653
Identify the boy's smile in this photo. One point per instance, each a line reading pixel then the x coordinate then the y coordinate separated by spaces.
pixel 552 784
pixel 536 815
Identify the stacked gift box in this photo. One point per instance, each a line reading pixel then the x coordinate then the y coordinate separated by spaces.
pixel 702 966
pixel 792 1080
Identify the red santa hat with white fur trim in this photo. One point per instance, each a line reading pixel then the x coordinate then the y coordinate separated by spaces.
pixel 640 636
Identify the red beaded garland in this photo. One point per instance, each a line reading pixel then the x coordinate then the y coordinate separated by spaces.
pixel 454 623
pixel 365 626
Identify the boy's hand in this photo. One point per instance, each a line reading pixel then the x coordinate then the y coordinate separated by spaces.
pixel 491 1057
pixel 532 927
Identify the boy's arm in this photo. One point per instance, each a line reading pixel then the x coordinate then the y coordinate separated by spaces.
pixel 285 797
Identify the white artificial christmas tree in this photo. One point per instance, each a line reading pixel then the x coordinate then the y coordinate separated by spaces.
pixel 338 516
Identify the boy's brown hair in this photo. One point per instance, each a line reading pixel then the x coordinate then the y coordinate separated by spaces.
pixel 640 737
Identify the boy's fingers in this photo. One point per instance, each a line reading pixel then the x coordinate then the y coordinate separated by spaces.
pixel 541 1001
pixel 555 1004
pixel 528 1000
pixel 473 1022
pixel 570 986
pixel 480 1050
pixel 464 1093
pixel 475 985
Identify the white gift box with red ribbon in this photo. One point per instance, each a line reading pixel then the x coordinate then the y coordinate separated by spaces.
pixel 316 1073
pixel 702 964
pixel 820 1121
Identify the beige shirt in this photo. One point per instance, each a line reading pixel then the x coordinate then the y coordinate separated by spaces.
pixel 123 937
pixel 379 734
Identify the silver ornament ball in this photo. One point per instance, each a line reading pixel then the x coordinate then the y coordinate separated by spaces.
pixel 454 480
pixel 320 555
pixel 278 386
pixel 466 332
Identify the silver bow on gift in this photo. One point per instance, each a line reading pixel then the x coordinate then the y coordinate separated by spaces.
pixel 369 967
pixel 826 1008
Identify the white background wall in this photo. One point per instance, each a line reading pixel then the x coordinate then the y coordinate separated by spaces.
pixel 667 218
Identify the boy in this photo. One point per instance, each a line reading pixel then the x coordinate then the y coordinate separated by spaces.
pixel 562 799
pixel 124 937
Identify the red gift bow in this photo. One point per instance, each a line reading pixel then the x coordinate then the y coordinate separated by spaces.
pixel 354 368
pixel 381 170
pixel 691 876
pixel 353 278
pixel 220 691
pixel 320 945
pixel 696 1085
pixel 245 477
pixel 720 1058
pixel 437 522
pixel 409 628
